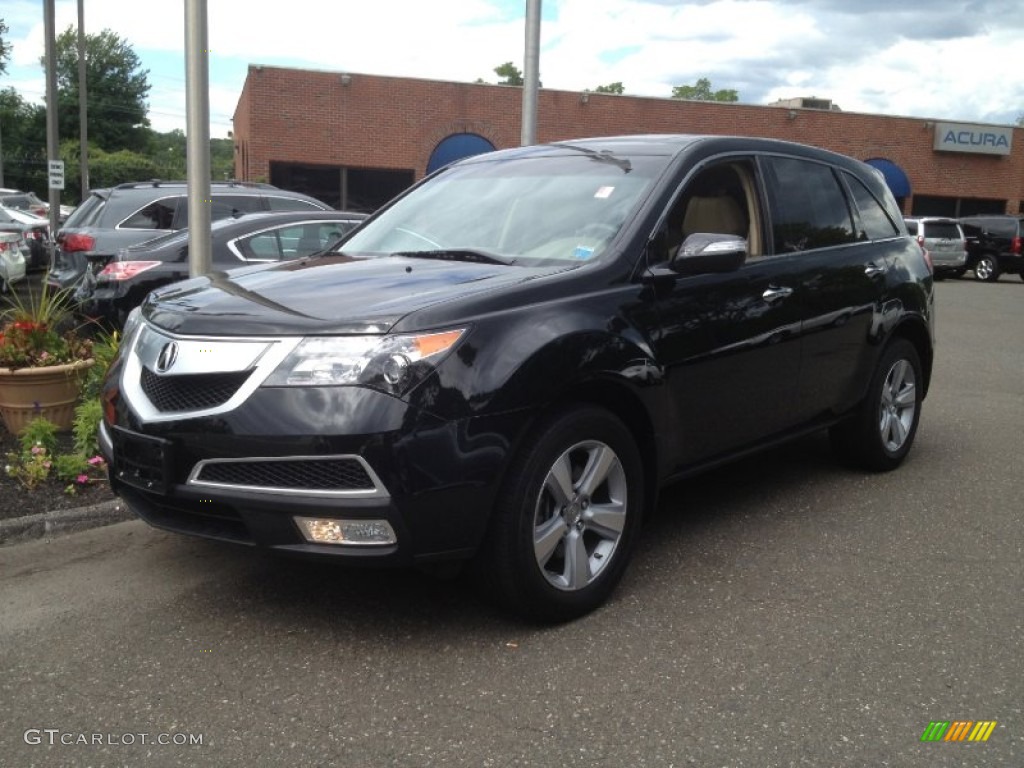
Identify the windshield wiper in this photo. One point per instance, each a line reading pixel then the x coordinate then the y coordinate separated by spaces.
pixel 475 255
pixel 604 156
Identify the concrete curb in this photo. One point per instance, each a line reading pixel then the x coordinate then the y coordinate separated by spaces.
pixel 21 529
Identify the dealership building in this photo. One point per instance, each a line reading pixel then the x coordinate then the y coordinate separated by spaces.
pixel 355 140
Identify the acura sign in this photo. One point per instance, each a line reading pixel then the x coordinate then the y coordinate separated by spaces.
pixel 979 139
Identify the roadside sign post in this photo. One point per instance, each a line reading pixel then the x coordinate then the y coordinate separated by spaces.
pixel 56 168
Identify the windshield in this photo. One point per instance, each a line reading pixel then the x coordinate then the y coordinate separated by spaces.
pixel 520 210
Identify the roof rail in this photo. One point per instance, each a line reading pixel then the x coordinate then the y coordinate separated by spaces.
pixel 183 182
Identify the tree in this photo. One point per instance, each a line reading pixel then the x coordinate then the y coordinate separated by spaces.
pixel 610 88
pixel 701 91
pixel 5 48
pixel 23 131
pixel 511 74
pixel 117 88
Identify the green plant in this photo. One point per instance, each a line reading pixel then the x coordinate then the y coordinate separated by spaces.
pixel 34 333
pixel 32 464
pixel 89 411
pixel 39 432
pixel 88 414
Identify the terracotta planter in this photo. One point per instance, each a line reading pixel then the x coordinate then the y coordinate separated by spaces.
pixel 51 392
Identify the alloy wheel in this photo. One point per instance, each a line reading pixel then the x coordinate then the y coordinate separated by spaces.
pixel 984 269
pixel 580 515
pixel 898 406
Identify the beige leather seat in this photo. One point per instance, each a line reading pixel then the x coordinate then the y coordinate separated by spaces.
pixel 718 215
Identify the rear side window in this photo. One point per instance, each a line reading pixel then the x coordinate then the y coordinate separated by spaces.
pixel 808 207
pixel 157 215
pixel 873 218
pixel 911 227
pixel 1003 227
pixel 222 207
pixel 293 204
pixel 292 241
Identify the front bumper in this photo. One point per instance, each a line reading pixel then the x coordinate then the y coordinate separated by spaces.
pixel 432 481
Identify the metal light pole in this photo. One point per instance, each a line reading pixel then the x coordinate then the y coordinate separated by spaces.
pixel 52 140
pixel 531 79
pixel 83 112
pixel 197 140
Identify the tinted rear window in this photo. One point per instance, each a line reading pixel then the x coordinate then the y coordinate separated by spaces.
pixel 941 230
pixel 86 214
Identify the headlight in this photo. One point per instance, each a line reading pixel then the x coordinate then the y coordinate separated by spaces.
pixel 131 327
pixel 389 363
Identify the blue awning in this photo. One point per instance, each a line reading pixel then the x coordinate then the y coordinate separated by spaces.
pixel 895 176
pixel 456 147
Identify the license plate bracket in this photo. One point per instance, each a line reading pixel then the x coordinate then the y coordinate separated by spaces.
pixel 141 461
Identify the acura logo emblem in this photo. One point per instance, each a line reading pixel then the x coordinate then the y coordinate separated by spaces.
pixel 168 354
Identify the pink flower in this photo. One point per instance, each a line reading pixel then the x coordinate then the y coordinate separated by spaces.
pixel 82 479
pixel 37 449
pixel 96 461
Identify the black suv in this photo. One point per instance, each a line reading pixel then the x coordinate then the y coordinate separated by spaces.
pixel 994 245
pixel 118 217
pixel 507 362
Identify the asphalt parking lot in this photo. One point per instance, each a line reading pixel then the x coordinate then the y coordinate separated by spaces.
pixel 784 611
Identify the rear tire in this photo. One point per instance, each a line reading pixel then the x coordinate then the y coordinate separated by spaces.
pixel 563 529
pixel 880 433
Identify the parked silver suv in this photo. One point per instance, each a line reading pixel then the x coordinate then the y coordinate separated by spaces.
pixel 943 240
pixel 128 214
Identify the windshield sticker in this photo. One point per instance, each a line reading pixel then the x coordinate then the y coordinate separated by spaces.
pixel 583 252
pixel 603 193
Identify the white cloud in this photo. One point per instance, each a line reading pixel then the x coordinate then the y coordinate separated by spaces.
pixel 957 68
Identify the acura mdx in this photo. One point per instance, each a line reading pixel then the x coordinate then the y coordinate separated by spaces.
pixel 507 362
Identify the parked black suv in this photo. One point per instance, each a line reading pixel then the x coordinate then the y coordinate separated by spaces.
pixel 118 217
pixel 508 361
pixel 994 245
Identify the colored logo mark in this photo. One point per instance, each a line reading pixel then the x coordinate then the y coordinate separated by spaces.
pixel 958 730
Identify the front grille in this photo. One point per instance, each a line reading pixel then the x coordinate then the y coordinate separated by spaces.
pixel 194 392
pixel 312 474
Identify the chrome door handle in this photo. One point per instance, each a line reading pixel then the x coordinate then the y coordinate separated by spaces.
pixel 774 294
pixel 873 270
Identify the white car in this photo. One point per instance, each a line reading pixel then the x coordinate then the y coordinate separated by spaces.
pixel 12 260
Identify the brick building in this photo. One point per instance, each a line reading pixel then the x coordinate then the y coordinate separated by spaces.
pixel 355 140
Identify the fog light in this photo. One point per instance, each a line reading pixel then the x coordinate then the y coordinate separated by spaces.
pixel 352 532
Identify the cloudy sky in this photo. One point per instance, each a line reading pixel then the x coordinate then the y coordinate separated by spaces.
pixel 955 61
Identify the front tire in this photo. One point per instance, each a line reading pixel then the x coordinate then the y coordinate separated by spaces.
pixel 986 268
pixel 879 435
pixel 564 527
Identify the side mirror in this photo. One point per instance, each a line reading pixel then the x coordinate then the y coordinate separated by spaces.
pixel 702 253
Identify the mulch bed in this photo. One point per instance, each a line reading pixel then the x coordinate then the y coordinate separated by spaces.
pixel 49 496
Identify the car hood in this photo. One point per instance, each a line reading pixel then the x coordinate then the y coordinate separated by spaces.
pixel 331 294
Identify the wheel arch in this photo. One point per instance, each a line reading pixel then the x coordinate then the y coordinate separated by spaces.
pixel 620 400
pixel 916 332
